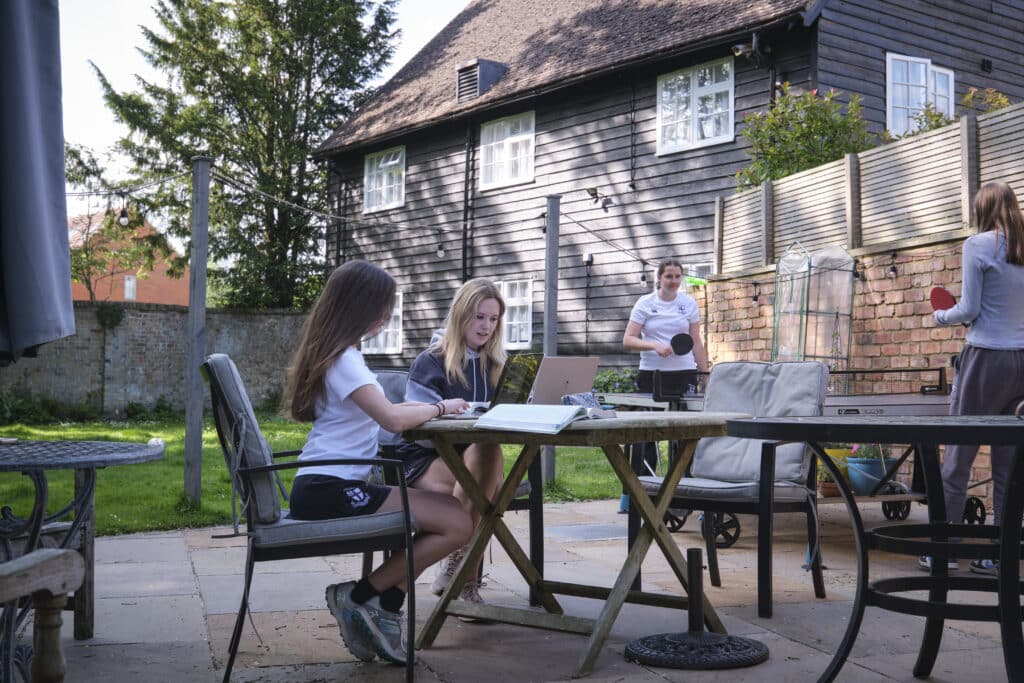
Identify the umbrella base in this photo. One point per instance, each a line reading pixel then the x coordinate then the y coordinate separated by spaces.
pixel 700 650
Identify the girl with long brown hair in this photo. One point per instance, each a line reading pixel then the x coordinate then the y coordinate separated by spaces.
pixel 990 369
pixel 330 385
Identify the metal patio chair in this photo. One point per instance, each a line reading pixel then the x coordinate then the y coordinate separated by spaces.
pixel 272 534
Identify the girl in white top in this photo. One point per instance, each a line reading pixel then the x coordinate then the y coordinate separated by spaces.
pixel 654 320
pixel 330 385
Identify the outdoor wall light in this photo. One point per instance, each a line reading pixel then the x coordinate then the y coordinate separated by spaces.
pixel 893 272
pixel 588 259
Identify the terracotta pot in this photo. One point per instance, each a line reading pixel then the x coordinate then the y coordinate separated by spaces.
pixel 828 489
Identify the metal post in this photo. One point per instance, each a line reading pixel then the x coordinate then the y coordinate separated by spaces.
pixel 550 308
pixel 195 346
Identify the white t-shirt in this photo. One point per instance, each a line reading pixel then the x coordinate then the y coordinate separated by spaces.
pixel 341 429
pixel 660 321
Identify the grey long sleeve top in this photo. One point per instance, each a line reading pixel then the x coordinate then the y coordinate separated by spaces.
pixel 992 296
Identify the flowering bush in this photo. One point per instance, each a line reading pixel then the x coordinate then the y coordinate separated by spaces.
pixel 866 450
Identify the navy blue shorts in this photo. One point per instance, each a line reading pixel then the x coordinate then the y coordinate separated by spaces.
pixel 318 496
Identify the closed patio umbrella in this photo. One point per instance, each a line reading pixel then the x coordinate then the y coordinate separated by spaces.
pixel 35 272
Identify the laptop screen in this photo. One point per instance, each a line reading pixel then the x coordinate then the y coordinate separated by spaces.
pixel 517 377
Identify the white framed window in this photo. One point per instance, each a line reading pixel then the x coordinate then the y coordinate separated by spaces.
pixel 506 151
pixel 518 296
pixel 696 107
pixel 389 339
pixel 130 287
pixel 910 84
pixel 699 270
pixel 384 180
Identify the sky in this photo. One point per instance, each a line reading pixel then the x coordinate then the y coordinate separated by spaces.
pixel 107 33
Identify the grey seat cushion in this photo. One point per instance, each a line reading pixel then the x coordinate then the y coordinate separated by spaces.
pixel 695 487
pixel 253 450
pixel 759 389
pixel 287 531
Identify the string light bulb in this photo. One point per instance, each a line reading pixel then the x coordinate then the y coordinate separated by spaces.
pixel 440 250
pixel 893 272
pixel 643 273
pixel 123 218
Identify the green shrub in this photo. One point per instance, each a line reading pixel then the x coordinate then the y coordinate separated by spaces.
pixel 615 381
pixel 136 411
pixel 801 131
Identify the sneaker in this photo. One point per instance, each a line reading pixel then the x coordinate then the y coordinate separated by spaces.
pixel 339 601
pixel 471 593
pixel 384 629
pixel 447 571
pixel 925 563
pixel 987 567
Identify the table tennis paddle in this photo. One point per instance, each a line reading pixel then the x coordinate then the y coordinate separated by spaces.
pixel 941 299
pixel 682 344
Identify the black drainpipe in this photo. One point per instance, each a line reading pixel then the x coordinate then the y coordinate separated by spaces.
pixel 467 203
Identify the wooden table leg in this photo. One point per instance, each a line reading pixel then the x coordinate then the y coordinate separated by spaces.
pixel 490 524
pixel 653 529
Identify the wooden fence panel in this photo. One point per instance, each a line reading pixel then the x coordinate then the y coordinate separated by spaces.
pixel 911 188
pixel 1001 147
pixel 742 219
pixel 810 208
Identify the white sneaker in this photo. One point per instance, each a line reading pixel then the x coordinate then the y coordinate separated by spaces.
pixel 471 593
pixel 925 563
pixel 446 571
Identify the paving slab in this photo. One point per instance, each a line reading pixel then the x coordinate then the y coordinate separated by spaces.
pixel 167 603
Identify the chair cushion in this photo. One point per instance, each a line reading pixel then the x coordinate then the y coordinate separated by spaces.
pixel 253 450
pixel 393 383
pixel 695 487
pixel 287 531
pixel 762 390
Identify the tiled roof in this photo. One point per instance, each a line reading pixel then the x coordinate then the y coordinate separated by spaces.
pixel 543 43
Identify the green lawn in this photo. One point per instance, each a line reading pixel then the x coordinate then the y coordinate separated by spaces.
pixel 150 496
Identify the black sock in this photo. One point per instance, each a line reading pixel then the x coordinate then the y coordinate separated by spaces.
pixel 392 599
pixel 363 591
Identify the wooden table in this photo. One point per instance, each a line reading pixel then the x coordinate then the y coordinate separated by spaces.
pixel 933 538
pixel 608 435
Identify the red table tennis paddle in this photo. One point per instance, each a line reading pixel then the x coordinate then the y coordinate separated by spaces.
pixel 682 344
pixel 941 299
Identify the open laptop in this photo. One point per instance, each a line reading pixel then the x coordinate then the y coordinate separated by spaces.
pixel 535 378
pixel 561 375
pixel 514 384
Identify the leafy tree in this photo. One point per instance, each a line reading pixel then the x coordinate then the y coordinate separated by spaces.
pixel 801 131
pixel 255 84
pixel 101 247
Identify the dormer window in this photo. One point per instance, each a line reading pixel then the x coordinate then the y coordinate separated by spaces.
pixel 476 78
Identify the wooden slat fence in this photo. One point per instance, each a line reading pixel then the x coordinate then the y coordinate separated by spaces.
pixel 913 191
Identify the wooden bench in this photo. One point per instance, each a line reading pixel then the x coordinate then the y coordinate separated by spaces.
pixel 47 575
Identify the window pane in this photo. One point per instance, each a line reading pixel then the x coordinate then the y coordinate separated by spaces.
pixel 722 72
pixel 918 73
pixel 705 76
pixel 899 71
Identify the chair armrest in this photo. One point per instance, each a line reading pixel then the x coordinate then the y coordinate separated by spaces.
pixel 46 569
pixel 397 465
pixel 286 454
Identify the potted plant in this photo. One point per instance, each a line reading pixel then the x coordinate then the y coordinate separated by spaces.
pixel 866 467
pixel 838 452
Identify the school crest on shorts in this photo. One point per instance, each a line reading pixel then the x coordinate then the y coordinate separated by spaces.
pixel 357 497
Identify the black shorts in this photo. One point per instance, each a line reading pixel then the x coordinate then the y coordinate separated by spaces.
pixel 319 496
pixel 418 460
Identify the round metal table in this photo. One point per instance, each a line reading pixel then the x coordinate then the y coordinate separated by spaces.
pixel 933 538
pixel 23 534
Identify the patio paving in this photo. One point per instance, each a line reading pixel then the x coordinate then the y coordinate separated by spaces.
pixel 165 605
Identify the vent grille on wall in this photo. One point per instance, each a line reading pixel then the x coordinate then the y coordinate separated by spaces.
pixel 476 78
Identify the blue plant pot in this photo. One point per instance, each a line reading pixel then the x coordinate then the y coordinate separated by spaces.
pixel 865 473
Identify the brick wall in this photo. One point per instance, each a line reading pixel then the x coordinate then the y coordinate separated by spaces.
pixel 893 326
pixel 142 359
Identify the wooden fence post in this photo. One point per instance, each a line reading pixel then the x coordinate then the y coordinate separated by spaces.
pixel 969 167
pixel 767 223
pixel 853 234
pixel 718 235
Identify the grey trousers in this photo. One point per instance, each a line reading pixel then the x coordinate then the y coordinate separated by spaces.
pixel 986 383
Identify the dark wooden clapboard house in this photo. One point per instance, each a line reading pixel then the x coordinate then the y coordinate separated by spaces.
pixel 631 111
